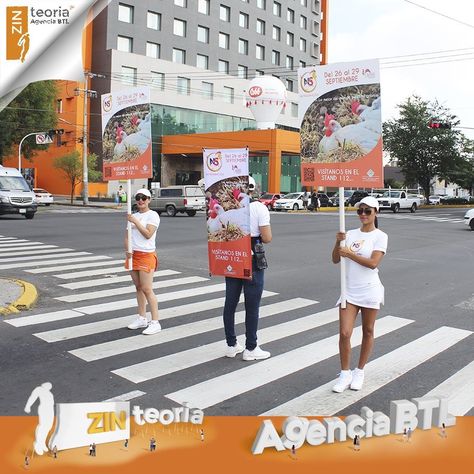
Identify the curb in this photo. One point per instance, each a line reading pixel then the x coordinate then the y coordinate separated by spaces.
pixel 105 206
pixel 25 301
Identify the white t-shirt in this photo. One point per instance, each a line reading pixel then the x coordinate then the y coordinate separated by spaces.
pixel 363 244
pixel 259 216
pixel 138 241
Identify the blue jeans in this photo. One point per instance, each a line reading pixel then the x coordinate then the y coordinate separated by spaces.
pixel 253 290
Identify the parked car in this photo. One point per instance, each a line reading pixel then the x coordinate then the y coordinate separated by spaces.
pixel 356 197
pixel 269 199
pixel 469 218
pixel 335 199
pixel 173 199
pixel 43 197
pixel 434 200
pixel 324 201
pixel 291 201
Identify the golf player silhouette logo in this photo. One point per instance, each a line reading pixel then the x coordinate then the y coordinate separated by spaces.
pixel 45 414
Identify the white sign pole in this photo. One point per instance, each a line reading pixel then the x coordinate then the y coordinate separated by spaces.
pixel 129 224
pixel 342 228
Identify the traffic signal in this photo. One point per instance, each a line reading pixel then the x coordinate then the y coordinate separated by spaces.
pixel 438 124
pixel 53 132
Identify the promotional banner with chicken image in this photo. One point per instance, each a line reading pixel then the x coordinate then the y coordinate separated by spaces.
pixel 341 125
pixel 126 134
pixel 228 213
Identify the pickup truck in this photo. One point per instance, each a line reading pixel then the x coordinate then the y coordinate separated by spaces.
pixel 396 200
pixel 173 199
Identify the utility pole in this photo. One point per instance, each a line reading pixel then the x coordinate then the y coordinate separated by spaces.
pixel 85 171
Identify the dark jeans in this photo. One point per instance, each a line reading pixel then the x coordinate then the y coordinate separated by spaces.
pixel 253 290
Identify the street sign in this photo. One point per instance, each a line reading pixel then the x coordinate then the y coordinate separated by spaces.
pixel 43 139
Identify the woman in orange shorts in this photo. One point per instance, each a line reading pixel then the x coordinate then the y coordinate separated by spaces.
pixel 145 224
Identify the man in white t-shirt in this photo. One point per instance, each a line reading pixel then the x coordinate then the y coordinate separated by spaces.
pixel 260 232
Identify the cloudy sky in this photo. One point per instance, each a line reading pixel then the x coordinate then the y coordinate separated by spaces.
pixel 396 31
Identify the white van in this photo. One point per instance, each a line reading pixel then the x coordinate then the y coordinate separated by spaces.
pixel 16 197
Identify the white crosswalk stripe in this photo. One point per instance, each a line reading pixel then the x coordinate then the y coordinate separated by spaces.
pixel 19 245
pixel 40 257
pixel 219 389
pixel 13 242
pixel 89 273
pixel 41 263
pixel 60 268
pixel 3 252
pixel 42 252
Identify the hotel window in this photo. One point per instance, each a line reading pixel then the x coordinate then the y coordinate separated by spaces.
pixel 259 73
pixel 125 13
pixel 129 75
pixel 152 50
pixel 243 20
pixel 302 63
pixel 276 58
pixel 228 95
pixel 290 39
pixel 203 34
pixel 304 3
pixel 290 15
pixel 224 40
pixel 179 56
pixel 289 85
pixel 315 28
pixel 223 66
pixel 179 27
pixel 243 46
pixel 158 80
pixel 277 9
pixel 302 45
pixel 181 3
pixel 202 61
pixel 260 27
pixel 260 52
pixel 124 43
pixel 294 109
pixel 224 13
pixel 184 86
pixel 276 33
pixel 204 7
pixel 242 71
pixel 207 90
pixel 303 22
pixel 153 20
pixel 289 62
pixel 261 4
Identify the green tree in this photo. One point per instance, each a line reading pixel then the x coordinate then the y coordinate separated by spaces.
pixel 424 153
pixel 31 111
pixel 71 166
pixel 464 174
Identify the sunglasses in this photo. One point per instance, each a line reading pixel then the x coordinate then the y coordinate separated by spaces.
pixel 140 197
pixel 366 210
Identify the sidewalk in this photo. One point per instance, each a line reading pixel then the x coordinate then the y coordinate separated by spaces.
pixel 16 295
pixel 66 201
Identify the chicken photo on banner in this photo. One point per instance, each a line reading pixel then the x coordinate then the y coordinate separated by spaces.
pixel 342 125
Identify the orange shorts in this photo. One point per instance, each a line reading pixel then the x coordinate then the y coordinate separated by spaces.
pixel 143 261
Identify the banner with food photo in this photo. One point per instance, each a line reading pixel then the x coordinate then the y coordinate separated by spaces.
pixel 226 175
pixel 126 134
pixel 341 125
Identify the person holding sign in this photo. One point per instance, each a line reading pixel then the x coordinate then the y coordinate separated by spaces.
pixel 145 224
pixel 364 249
pixel 260 232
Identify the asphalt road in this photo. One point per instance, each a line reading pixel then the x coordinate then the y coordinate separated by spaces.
pixel 426 273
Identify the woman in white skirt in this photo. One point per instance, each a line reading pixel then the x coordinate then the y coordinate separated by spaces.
pixel 364 250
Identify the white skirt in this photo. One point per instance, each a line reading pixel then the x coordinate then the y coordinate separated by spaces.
pixel 365 297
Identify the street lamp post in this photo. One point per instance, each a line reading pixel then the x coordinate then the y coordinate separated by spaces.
pixel 19 147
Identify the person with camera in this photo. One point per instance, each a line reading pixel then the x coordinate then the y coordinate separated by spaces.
pixel 364 249
pixel 261 233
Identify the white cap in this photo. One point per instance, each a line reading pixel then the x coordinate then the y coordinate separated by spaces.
pixel 252 184
pixel 368 201
pixel 143 191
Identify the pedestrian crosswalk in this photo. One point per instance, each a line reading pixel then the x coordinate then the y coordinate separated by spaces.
pixel 93 302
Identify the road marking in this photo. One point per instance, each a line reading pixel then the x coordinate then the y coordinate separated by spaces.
pixel 89 273
pixel 218 389
pixel 92 295
pixel 79 265
pixel 40 257
pixel 161 366
pixel 459 388
pixel 112 279
pixel 175 295
pixel 42 252
pixel 7 238
pixel 35 247
pixel 50 262
pixel 13 242
pixel 322 401
pixel 44 318
pixel 88 329
pixel 20 246
pixel 129 344
pixel 126 396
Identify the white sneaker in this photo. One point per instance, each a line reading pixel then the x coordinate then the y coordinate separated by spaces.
pixel 357 379
pixel 255 354
pixel 232 351
pixel 152 328
pixel 139 322
pixel 343 382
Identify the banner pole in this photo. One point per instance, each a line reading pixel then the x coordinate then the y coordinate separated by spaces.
pixel 342 228
pixel 129 224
